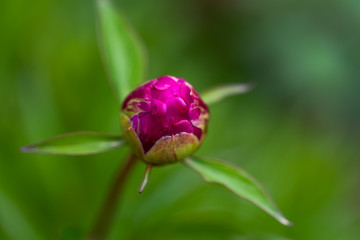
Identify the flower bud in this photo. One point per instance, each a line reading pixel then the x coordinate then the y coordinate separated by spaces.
pixel 164 120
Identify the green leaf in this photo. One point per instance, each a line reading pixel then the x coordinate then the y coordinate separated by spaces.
pixel 76 143
pixel 238 181
pixel 122 51
pixel 218 93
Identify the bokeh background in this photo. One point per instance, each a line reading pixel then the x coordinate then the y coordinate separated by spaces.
pixel 297 132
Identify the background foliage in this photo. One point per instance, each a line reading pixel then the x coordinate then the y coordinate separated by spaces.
pixel 297 132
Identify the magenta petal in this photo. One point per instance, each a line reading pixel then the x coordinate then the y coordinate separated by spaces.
pixel 197 132
pixel 194 113
pixel 176 102
pixel 164 88
pixel 158 107
pixel 144 106
pixel 176 110
pixel 143 92
pixel 185 94
pixel 183 126
pixel 135 123
pixel 164 83
pixel 149 131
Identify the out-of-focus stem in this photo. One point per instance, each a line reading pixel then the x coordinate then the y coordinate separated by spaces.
pixel 108 210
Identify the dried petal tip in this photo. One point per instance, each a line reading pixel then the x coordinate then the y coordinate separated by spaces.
pixel 164 120
pixel 26 149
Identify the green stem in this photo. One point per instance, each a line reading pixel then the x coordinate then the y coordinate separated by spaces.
pixel 106 215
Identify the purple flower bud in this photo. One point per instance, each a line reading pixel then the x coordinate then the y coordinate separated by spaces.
pixel 164 120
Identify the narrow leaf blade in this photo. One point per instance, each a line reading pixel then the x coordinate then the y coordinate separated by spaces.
pixel 236 180
pixel 122 51
pixel 76 143
pixel 218 93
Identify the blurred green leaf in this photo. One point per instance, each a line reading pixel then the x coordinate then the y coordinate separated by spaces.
pixel 236 180
pixel 76 143
pixel 122 51
pixel 13 222
pixel 71 233
pixel 218 93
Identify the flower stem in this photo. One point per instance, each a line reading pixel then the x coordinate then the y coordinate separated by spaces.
pixel 108 210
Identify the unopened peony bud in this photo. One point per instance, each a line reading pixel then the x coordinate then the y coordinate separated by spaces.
pixel 164 120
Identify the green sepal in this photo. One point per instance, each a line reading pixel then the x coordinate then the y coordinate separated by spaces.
pixel 166 150
pixel 131 137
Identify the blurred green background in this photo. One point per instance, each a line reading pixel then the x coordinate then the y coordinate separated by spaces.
pixel 297 132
